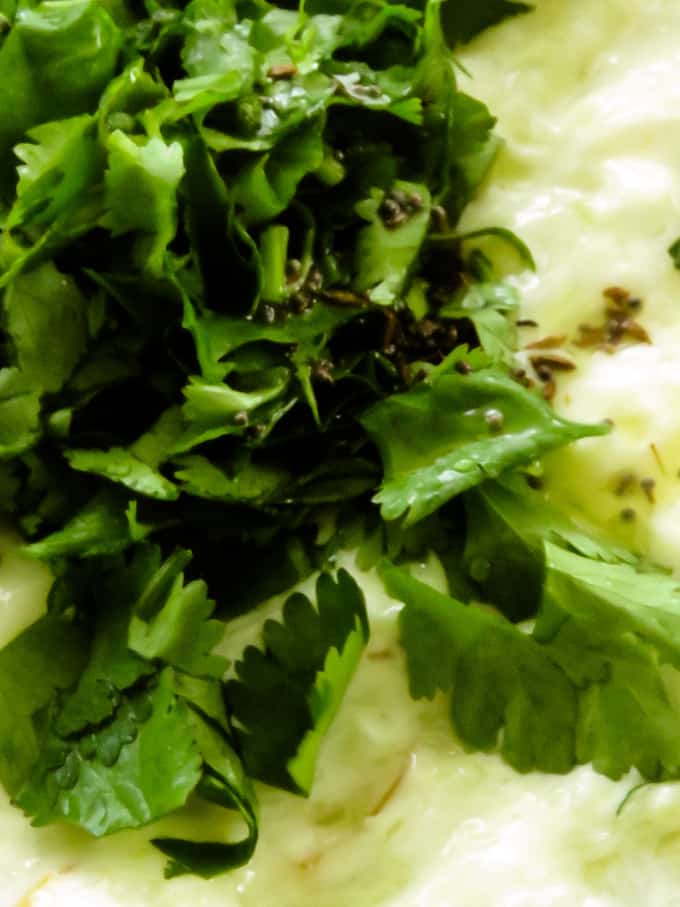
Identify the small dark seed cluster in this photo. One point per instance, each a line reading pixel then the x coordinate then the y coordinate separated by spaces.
pixel 619 325
pixel 398 206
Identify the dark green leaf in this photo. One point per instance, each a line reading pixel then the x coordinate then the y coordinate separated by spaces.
pixel 455 431
pixel 286 696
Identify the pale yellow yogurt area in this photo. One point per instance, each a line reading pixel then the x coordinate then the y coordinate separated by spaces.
pixel 587 94
pixel 588 98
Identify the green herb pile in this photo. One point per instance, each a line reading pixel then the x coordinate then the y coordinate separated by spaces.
pixel 241 333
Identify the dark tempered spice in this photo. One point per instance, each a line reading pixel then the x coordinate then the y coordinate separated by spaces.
pixel 648 485
pixel 553 361
pixel 618 325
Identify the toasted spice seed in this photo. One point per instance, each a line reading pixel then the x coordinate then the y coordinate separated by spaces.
pixel 549 390
pixel 554 361
pixel 625 483
pixel 648 485
pixel 382 802
pixel 282 71
pixel 628 515
pixel 547 343
pixel 323 371
pixel 463 368
pixel 241 418
pixel 293 269
pixel 392 328
pixel 635 329
pixel 301 301
pixel 344 297
pixel 440 219
pixel 544 373
pixel 393 211
pixel 526 323
pixel 618 326
pixel 616 294
pixel 657 456
pixel 535 482
pixel 314 280
pixel 590 336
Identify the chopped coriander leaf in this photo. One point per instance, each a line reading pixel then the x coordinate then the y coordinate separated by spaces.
pixel 284 698
pixel 455 430
pixel 580 688
pixel 237 313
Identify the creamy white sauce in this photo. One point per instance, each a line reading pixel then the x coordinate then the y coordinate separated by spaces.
pixel 587 94
pixel 588 98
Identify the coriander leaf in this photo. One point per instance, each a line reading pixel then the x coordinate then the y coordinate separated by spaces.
pixel 171 622
pixel 216 337
pixel 630 719
pixel 217 57
pixel 388 248
pixel 226 784
pixel 674 252
pixel 141 187
pixel 137 467
pixel 507 525
pixel 138 767
pixel 285 697
pixel 29 677
pixel 19 414
pixel 499 677
pixel 249 482
pixel 111 667
pixel 107 524
pixel 55 62
pixel 611 628
pixel 211 404
pixel 58 165
pixel 560 702
pixel 610 600
pixel 454 431
pixel 464 19
pixel 120 465
pixel 491 308
pixel 265 188
pixel 40 305
pixel 472 140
